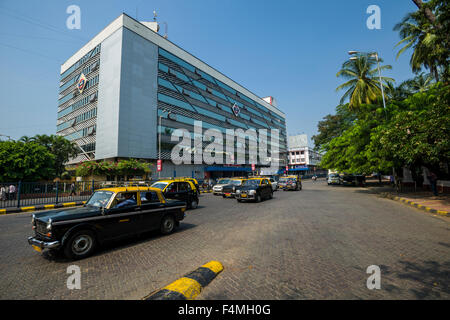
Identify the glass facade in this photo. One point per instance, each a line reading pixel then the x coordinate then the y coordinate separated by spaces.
pixel 192 95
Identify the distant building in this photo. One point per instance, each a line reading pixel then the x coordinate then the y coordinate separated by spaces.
pixel 302 156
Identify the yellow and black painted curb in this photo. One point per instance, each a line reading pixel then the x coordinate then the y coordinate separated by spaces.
pixel 189 286
pixel 41 207
pixel 417 205
pixel 205 191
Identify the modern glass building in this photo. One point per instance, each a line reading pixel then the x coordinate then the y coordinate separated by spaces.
pixel 138 85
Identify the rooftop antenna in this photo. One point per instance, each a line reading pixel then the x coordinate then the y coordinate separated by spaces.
pixel 165 28
pixel 154 15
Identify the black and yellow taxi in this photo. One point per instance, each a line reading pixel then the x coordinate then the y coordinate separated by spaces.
pixel 193 180
pixel 229 190
pixel 179 189
pixel 291 182
pixel 109 214
pixel 255 189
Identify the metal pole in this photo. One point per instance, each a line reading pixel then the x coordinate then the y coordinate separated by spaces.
pixel 18 194
pixel 159 151
pixel 56 192
pixel 381 84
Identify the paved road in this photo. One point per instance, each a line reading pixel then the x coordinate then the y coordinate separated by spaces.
pixel 312 244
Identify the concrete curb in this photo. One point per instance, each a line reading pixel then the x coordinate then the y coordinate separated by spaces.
pixel 416 205
pixel 41 207
pixel 189 286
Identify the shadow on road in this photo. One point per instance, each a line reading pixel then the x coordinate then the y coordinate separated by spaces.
pixel 434 278
pixel 111 246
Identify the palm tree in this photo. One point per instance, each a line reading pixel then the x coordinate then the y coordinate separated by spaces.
pixel 26 139
pixel 363 86
pixel 417 33
pixel 420 83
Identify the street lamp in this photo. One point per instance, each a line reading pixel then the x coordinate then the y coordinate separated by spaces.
pixel 160 132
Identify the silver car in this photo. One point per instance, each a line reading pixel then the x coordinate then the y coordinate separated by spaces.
pixel 333 178
pixel 217 189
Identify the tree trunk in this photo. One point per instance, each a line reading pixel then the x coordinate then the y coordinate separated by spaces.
pixel 428 13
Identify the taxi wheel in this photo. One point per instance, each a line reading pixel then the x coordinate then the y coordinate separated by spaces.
pixel 193 204
pixel 80 245
pixel 167 224
pixel 258 198
pixel 271 195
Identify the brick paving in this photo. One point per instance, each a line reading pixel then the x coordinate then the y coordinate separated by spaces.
pixel 313 244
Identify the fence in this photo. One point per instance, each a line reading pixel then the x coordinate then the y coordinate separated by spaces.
pixel 22 194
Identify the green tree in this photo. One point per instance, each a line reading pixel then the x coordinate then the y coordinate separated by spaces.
pixel 419 135
pixel 332 126
pixel 25 161
pixel 59 146
pixel 426 32
pixel 363 85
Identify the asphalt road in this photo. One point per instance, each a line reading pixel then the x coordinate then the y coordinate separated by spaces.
pixel 313 244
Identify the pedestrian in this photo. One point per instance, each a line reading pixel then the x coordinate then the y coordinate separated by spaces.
pixel 3 193
pixel 72 189
pixel 432 177
pixel 12 192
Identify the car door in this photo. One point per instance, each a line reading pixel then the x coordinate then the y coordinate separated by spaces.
pixel 171 191
pixel 152 209
pixel 120 222
pixel 185 192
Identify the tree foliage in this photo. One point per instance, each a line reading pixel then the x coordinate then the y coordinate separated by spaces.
pixel 25 161
pixel 409 133
pixel 109 168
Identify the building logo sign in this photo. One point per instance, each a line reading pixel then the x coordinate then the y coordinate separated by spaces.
pixel 235 109
pixel 81 82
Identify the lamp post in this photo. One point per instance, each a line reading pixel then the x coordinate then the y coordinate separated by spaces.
pixel 160 132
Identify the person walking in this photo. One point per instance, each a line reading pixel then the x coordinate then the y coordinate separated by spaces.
pixel 432 177
pixel 3 193
pixel 72 189
pixel 12 192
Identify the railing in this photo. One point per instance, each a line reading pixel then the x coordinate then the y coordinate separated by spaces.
pixel 22 194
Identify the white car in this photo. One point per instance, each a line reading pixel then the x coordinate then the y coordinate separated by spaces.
pixel 217 189
pixel 274 184
pixel 333 178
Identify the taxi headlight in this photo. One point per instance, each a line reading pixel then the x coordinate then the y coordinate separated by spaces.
pixel 49 224
pixel 252 192
pixel 238 191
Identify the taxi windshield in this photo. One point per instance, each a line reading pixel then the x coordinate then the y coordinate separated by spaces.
pixel 236 182
pixel 159 185
pixel 99 199
pixel 253 183
pixel 223 181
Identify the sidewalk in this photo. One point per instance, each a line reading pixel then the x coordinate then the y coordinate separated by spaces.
pixel 422 200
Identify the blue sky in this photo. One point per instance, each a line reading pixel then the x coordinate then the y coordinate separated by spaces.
pixel 289 49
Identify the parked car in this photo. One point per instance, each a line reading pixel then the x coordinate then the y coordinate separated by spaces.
pixel 333 178
pixel 109 214
pixel 217 188
pixel 274 184
pixel 290 183
pixel 183 190
pixel 348 180
pixel 255 189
